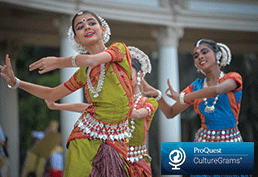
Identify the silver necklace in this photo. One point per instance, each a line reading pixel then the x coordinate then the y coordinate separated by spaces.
pixel 134 108
pixel 100 82
pixel 137 95
pixel 210 109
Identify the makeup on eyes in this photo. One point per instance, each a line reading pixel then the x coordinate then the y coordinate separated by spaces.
pixel 91 22
pixel 203 50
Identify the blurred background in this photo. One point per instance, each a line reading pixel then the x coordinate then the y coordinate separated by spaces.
pixel 166 30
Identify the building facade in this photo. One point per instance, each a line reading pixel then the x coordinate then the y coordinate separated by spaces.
pixel 161 28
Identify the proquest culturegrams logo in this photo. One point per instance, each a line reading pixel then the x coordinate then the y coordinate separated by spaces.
pixel 207 158
pixel 177 158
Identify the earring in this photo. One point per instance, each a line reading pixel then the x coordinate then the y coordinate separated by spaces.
pixel 218 56
pixel 198 69
pixel 138 79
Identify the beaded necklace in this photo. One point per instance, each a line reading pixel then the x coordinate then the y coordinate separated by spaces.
pixel 139 95
pixel 210 109
pixel 100 83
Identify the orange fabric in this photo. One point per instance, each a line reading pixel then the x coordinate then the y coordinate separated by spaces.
pixel 119 146
pixel 72 84
pixel 126 84
pixel 140 169
pixel 233 75
pixel 115 54
pixel 231 96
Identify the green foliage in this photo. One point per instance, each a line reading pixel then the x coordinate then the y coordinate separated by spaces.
pixel 33 112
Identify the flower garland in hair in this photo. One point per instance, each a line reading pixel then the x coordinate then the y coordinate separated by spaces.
pixel 142 58
pixel 81 49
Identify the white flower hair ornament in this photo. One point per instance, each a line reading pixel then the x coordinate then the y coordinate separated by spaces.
pixel 226 55
pixel 142 58
pixel 78 47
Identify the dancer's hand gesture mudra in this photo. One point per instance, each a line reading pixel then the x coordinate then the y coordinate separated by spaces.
pixel 7 72
pixel 151 91
pixel 148 90
pixel 46 64
pixel 173 94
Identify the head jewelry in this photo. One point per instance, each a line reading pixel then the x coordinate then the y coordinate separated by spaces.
pixel 142 58
pixel 78 47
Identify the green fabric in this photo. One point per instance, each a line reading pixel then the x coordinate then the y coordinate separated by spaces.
pixel 79 157
pixel 112 102
pixel 139 132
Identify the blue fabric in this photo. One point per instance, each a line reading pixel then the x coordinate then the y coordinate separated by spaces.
pixel 57 161
pixel 220 175
pixel 223 116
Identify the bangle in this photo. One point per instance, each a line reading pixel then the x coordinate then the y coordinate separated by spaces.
pixel 159 95
pixel 16 85
pixel 73 61
pixel 181 98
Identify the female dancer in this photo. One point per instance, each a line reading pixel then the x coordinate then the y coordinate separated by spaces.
pixel 97 144
pixel 140 120
pixel 216 98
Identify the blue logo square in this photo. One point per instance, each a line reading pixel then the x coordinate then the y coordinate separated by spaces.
pixel 190 158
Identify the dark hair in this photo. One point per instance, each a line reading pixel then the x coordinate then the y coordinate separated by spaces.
pixel 136 65
pixel 84 12
pixel 212 44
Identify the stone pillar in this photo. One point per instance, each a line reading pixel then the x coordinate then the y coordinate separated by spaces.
pixel 68 118
pixel 168 38
pixel 9 110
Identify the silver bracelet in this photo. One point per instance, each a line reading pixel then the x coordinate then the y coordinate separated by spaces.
pixel 159 95
pixel 16 85
pixel 182 97
pixel 73 61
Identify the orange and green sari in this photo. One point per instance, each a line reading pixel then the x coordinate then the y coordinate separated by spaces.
pixel 138 158
pixel 97 146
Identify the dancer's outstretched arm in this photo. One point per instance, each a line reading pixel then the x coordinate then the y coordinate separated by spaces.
pixel 170 111
pixel 48 93
pixel 80 107
pixel 74 107
pixel 225 86
pixel 51 63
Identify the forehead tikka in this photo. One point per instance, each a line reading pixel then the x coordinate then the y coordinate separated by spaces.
pixel 83 20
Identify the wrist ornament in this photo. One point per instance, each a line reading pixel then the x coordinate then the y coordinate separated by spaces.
pixel 159 95
pixel 182 97
pixel 16 85
pixel 73 61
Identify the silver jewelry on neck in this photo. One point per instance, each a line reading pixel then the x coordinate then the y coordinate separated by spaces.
pixel 138 79
pixel 100 82
pixel 136 101
pixel 137 95
pixel 210 109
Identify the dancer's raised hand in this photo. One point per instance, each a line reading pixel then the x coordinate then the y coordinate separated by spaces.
pixel 46 64
pixel 148 90
pixel 7 72
pixel 173 94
